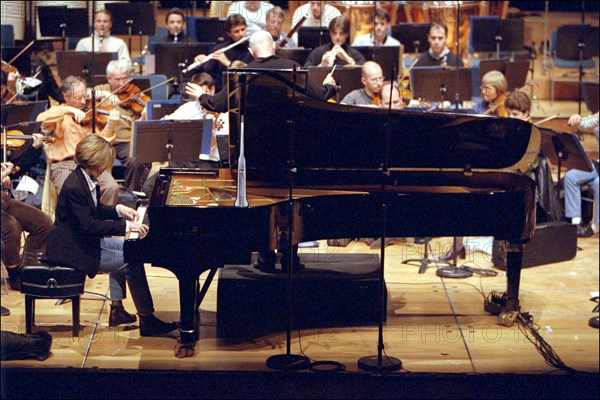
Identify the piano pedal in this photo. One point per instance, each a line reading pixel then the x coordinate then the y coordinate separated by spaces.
pixel 495 303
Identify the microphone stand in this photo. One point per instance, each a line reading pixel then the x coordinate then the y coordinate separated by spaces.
pixel 377 362
pixel 289 361
pixel 454 271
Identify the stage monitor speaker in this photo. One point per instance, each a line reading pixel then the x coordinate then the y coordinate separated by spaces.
pixel 334 290
pixel 552 242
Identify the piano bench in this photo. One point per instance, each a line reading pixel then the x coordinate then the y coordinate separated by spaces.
pixel 41 280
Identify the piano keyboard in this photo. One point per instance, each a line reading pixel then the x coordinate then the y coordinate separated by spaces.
pixel 142 219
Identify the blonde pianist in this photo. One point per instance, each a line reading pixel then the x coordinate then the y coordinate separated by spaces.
pixel 80 238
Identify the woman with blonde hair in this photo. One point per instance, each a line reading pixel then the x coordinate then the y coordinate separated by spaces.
pixel 493 91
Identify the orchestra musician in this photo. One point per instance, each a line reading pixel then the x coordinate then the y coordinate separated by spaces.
pixel 370 93
pixel 18 216
pixel 220 61
pixel 274 23
pixel 336 52
pixel 254 12
pixel 81 237
pixel 379 36
pixel 573 181
pixel 493 91
pixel 103 40
pixel 175 21
pixel 68 123
pixel 317 13
pixel 262 47
pixel 438 53
pixel 126 98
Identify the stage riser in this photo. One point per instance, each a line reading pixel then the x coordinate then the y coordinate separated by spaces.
pixel 334 290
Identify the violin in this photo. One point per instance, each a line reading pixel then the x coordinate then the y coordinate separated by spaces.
pixel 133 98
pixel 102 114
pixel 16 139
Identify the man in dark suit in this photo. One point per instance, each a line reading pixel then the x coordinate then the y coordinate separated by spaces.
pixel 79 236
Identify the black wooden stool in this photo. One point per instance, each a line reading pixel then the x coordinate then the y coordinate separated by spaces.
pixel 40 280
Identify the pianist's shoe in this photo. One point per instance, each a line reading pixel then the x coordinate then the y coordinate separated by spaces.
pixel 119 316
pixel 265 261
pixel 152 326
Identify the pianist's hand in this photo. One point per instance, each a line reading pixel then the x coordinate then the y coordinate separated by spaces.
pixel 137 227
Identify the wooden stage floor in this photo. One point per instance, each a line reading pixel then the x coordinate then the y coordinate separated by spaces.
pixel 434 326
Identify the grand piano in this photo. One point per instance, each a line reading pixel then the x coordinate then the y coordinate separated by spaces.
pixel 310 170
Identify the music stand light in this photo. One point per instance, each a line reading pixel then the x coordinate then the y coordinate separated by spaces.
pixel 86 64
pixel 438 84
pixel 412 35
pixel 171 140
pixel 493 35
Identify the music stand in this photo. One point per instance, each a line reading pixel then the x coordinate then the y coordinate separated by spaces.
pixel 86 64
pixel 515 71
pixel 210 29
pixel 132 17
pixel 297 54
pixel 16 113
pixel 171 140
pixel 62 21
pixel 385 56
pixel 412 35
pixel 491 34
pixel 439 84
pixel 311 37
pixel 23 62
pixel 347 79
pixel 586 38
pixel 564 148
pixel 27 127
pixel 172 58
pixel 159 108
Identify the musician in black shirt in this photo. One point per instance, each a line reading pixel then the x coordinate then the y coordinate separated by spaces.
pixel 438 54
pixel 221 60
pixel 175 21
pixel 336 52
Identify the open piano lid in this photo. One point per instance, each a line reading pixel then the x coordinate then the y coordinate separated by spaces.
pixel 332 136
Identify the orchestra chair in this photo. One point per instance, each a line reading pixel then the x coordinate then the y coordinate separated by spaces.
pixel 560 63
pixel 8 35
pixel 41 280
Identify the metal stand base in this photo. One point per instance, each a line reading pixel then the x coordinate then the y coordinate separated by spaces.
pixel 288 362
pixel 453 272
pixel 379 364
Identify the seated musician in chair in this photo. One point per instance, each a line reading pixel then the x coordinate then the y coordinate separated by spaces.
pixel 438 53
pixel 262 47
pixel 575 179
pixel 131 105
pixel 80 238
pixel 336 52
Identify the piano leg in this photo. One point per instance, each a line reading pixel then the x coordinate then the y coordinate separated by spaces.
pixel 514 257
pixel 189 324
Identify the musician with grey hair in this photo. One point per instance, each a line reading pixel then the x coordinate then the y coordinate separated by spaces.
pixel 123 95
